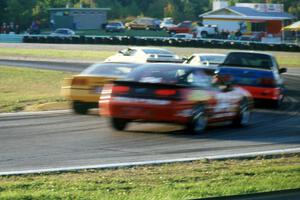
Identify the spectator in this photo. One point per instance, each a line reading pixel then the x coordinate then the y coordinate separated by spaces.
pixel 11 28
pixel 35 28
pixel 17 29
pixel 231 36
pixel 52 24
pixel 238 34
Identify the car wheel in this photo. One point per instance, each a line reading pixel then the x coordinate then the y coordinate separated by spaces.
pixel 198 122
pixel 80 108
pixel 243 115
pixel 172 33
pixel 204 34
pixel 277 103
pixel 119 124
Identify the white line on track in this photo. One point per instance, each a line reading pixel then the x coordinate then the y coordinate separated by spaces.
pixel 34 113
pixel 291 74
pixel 153 162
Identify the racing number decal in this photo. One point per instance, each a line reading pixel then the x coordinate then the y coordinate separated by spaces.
pixel 223 103
pixel 225 106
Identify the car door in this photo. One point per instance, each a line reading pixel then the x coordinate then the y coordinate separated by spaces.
pixel 226 103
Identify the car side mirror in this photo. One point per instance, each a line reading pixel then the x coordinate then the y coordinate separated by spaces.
pixel 282 70
pixel 121 52
pixel 184 58
pixel 224 84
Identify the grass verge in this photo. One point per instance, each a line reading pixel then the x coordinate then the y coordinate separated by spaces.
pixel 170 181
pixel 55 54
pixel 22 87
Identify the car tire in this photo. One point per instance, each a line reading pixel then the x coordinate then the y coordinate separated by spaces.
pixel 204 34
pixel 118 124
pixel 243 115
pixel 80 108
pixel 277 103
pixel 198 122
pixel 172 33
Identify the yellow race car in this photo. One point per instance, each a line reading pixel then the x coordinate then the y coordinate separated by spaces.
pixel 84 89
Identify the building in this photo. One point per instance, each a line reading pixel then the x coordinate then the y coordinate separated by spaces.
pixel 250 18
pixel 78 18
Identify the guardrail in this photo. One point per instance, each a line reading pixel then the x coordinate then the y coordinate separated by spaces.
pixel 11 38
pixel 161 41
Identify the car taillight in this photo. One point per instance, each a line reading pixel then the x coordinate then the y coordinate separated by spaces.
pixel 120 89
pixel 165 92
pixel 79 81
pixel 267 81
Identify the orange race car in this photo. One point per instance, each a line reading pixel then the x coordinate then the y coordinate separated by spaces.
pixel 173 93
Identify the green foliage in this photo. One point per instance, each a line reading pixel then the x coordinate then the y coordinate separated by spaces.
pixel 24 11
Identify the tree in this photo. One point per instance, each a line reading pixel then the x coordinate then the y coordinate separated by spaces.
pixel 169 10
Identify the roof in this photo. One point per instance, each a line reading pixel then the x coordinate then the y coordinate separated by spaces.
pixel 252 12
pixel 248 13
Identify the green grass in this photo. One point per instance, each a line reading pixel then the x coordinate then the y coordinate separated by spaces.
pixel 171 181
pixel 55 53
pixel 20 87
pixel 288 60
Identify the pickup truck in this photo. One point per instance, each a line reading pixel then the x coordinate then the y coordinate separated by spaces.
pixel 204 31
pixel 197 31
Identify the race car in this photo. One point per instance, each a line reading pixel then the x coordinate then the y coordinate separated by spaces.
pixel 144 55
pixel 84 89
pixel 205 59
pixel 258 73
pixel 173 93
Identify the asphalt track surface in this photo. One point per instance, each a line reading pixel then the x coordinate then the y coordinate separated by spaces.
pixel 63 139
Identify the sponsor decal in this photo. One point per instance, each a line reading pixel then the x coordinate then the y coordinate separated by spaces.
pixel 139 100
pixel 199 95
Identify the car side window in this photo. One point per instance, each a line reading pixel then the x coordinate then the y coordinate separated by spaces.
pixel 190 59
pixel 198 79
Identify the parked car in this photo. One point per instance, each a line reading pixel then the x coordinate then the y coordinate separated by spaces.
pixel 259 73
pixel 143 23
pixel 183 36
pixel 167 23
pixel 143 55
pixel 115 27
pixel 173 93
pixel 205 31
pixel 84 89
pixel 205 59
pixel 183 27
pixel 63 32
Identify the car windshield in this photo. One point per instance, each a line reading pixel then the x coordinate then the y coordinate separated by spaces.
pixel 109 69
pixel 214 59
pixel 252 60
pixel 156 51
pixel 61 31
pixel 170 74
pixel 179 36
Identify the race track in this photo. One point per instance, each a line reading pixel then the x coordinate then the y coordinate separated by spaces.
pixel 62 139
